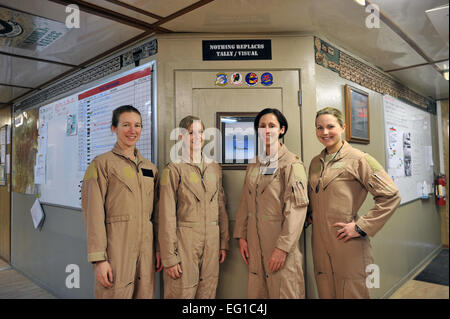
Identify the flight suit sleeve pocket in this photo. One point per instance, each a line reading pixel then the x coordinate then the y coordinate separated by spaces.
pixel 381 186
pixel 300 193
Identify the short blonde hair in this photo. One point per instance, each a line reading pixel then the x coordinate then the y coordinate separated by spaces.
pixel 332 111
pixel 188 120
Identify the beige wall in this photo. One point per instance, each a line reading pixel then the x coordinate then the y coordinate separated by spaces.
pixel 413 232
pixel 5 198
pixel 184 52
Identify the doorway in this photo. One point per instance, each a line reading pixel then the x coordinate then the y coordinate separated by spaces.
pixel 196 93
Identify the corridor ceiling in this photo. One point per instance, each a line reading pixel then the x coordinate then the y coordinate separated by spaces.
pixel 411 41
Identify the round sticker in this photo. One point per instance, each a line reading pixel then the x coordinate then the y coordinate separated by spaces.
pixel 236 78
pixel 266 79
pixel 251 79
pixel 221 79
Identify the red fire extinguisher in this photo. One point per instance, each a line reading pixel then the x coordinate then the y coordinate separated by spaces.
pixel 441 181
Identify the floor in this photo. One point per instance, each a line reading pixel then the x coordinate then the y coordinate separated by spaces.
pixel 416 289
pixel 13 285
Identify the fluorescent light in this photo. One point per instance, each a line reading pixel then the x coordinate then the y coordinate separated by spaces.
pixel 361 2
pixel 445 74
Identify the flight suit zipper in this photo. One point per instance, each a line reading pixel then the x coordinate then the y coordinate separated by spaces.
pixel 257 228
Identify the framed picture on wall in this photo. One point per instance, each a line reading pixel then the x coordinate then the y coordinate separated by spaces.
pixel 357 115
pixel 239 141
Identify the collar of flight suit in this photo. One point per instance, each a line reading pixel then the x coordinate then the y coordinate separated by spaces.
pixel 345 149
pixel 264 182
pixel 118 151
pixel 206 160
pixel 199 186
pixel 333 173
pixel 283 150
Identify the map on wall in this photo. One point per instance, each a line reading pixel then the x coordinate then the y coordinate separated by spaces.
pixel 25 147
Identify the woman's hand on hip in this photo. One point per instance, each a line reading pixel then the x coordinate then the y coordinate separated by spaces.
pixel 346 231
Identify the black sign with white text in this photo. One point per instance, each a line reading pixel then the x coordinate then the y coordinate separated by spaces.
pixel 237 50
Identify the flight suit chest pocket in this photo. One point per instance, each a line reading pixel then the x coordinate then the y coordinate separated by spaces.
pixel 119 181
pixel 148 180
pixel 334 176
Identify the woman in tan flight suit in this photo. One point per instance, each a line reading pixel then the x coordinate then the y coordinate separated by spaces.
pixel 117 201
pixel 193 222
pixel 271 214
pixel 339 179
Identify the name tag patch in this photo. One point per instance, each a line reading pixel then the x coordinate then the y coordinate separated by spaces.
pixel 147 172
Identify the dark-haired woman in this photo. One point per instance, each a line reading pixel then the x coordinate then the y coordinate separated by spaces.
pixel 117 201
pixel 271 214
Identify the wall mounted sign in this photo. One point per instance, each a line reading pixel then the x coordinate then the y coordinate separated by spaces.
pixel 237 50
pixel 251 79
pixel 236 79
pixel 266 79
pixel 221 79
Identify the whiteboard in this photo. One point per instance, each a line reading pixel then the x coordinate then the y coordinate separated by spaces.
pixel 409 154
pixel 77 128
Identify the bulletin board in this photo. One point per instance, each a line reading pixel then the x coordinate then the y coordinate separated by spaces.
pixel 74 130
pixel 409 153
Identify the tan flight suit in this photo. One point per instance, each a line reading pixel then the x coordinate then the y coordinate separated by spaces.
pixel 193 227
pixel 271 213
pixel 336 193
pixel 117 203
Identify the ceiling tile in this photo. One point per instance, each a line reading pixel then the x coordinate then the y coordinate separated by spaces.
pixel 424 80
pixel 95 35
pixel 28 73
pixel 410 16
pixel 8 93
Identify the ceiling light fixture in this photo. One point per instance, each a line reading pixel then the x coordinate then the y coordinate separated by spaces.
pixel 361 2
pixel 445 71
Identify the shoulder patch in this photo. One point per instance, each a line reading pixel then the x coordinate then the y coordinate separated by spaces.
pixel 91 172
pixel 165 178
pixel 299 171
pixel 373 163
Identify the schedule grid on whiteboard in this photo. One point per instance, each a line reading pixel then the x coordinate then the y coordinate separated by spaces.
pixel 79 129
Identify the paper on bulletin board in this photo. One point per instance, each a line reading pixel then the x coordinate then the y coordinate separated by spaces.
pixel 36 213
